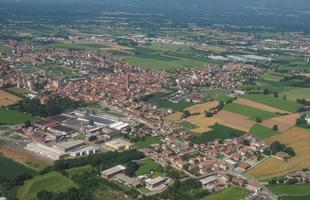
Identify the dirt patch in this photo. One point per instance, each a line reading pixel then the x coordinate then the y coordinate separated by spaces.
pixel 234 120
pixel 201 108
pixel 259 106
pixel 23 157
pixel 7 99
pixel 177 116
pixel 284 122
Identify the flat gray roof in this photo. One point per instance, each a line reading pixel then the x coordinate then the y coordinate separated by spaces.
pixel 113 170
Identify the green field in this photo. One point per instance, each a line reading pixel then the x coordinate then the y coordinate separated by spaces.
pixel 149 140
pixel 217 132
pixel 60 71
pixel 162 103
pixel 252 113
pixel 188 126
pixel 5 49
pixel 147 167
pixel 10 169
pixel 231 193
pixel 78 170
pixel 297 93
pixel 290 190
pixel 17 91
pixel 219 94
pixel 168 57
pixel 279 103
pixel 53 182
pixel 80 46
pixel 13 117
pixel 262 132
pixel 304 197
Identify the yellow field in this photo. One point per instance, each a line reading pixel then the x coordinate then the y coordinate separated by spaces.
pixel 201 108
pixel 284 122
pixel 297 138
pixel 203 122
pixel 259 106
pixel 177 116
pixel 7 99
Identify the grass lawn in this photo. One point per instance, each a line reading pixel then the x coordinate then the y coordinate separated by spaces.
pixel 219 94
pixel 11 169
pixel 217 132
pixel 5 49
pixel 262 132
pixel 60 71
pixel 53 182
pixel 304 197
pixel 290 190
pixel 297 93
pixel 168 57
pixel 148 166
pixel 14 117
pixel 78 170
pixel 149 140
pixel 274 102
pixel 252 113
pixel 188 126
pixel 231 193
pixel 162 103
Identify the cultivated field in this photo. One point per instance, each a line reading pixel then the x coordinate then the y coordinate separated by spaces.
pixel 177 116
pixel 203 122
pixel 11 169
pixel 13 117
pixel 259 106
pixel 290 190
pixel 297 138
pixel 284 122
pixel 234 120
pixel 7 99
pixel 201 108
pixel 262 132
pixel 53 182
pixel 23 157
pixel 231 193
pixel 251 113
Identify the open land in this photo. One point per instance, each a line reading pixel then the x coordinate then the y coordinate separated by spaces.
pixel 231 193
pixel 262 132
pixel 299 140
pixel 284 122
pixel 7 99
pixel 290 190
pixel 11 169
pixel 259 106
pixel 13 117
pixel 177 116
pixel 201 108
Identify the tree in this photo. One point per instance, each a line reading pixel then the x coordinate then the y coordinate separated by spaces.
pixel 259 120
pixel 284 97
pixel 186 113
pixel 275 127
pixel 266 91
pixel 276 147
pixel 44 195
pixel 290 151
pixel 276 94
pixel 27 124
pixel 131 168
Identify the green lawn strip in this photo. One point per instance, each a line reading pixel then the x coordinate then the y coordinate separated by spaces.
pixel 303 197
pixel 262 132
pixel 231 193
pixel 10 169
pixel 81 46
pixel 5 49
pixel 147 167
pixel 217 132
pixel 147 142
pixel 296 93
pixel 274 102
pixel 78 170
pixel 252 113
pixel 290 190
pixel 53 182
pixel 14 117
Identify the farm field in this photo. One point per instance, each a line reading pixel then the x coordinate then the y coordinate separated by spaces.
pixel 262 132
pixel 81 46
pixel 259 106
pixel 149 140
pixel 203 123
pixel 279 103
pixel 250 112
pixel 303 197
pixel 18 91
pixel 168 57
pixel 14 117
pixel 217 132
pixel 147 167
pixel 7 99
pixel 290 190
pixel 297 93
pixel 177 116
pixel 284 122
pixel 188 126
pixel 235 121
pixel 299 140
pixel 78 170
pixel 11 169
pixel 219 94
pixel 23 157
pixel 231 193
pixel 5 49
pixel 53 182
pixel 201 108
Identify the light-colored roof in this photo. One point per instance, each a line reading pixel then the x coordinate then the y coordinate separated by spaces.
pixel 154 181
pixel 127 179
pixel 208 180
pixel 69 144
pixel 113 170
